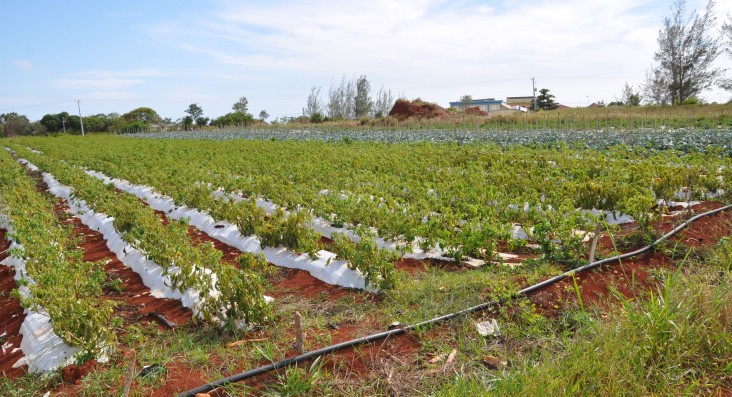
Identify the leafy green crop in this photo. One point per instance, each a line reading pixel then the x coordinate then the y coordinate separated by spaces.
pixel 189 266
pixel 66 287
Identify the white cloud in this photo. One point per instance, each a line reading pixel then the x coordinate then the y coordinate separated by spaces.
pixel 105 80
pixel 432 47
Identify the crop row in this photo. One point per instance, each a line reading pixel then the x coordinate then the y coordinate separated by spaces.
pixel 288 229
pixel 226 294
pixel 658 139
pixel 464 199
pixel 59 282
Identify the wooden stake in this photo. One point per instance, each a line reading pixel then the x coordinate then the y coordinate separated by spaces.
pixel 298 333
pixel 660 219
pixel 130 374
pixel 594 242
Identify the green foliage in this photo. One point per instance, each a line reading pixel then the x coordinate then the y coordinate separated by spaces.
pixel 289 230
pixel 463 198
pixel 15 124
pixel 189 266
pixel 235 118
pixel 377 265
pixel 545 100
pixel 136 120
pixel 676 340
pixel 194 111
pixel 241 106
pixel 317 118
pixel 66 287
pixel 143 114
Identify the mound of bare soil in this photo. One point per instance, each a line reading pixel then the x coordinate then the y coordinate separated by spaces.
pixel 475 111
pixel 404 109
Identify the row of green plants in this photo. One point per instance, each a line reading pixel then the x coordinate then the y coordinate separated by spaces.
pixel 68 288
pixel 464 198
pixel 240 292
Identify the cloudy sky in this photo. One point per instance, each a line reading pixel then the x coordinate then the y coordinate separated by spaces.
pixel 167 54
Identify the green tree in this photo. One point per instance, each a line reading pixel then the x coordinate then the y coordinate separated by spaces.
pixel 241 106
pixel 52 122
pixel 726 83
pixel 545 100
pixel 202 121
pixel 137 120
pixel 466 98
pixel 630 96
pixel 263 115
pixel 234 118
pixel 313 105
pixel 194 111
pixel 187 123
pixel 143 114
pixel 684 62
pixel 15 124
pixel 363 105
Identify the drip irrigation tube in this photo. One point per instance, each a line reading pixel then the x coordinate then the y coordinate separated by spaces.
pixel 398 331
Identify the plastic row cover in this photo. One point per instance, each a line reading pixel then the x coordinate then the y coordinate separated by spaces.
pixel 325 267
pixel 43 350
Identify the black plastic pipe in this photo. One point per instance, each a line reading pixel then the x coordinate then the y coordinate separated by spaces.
pixel 398 331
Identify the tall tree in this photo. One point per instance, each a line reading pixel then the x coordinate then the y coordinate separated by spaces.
pixel 545 100
pixel 466 98
pixel 263 115
pixel 630 96
pixel 314 105
pixel 194 111
pixel 340 99
pixel 384 102
pixel 363 105
pixel 687 49
pixel 15 124
pixel 143 115
pixel 241 105
pixel 726 83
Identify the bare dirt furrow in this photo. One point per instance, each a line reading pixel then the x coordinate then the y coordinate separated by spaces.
pixel 11 318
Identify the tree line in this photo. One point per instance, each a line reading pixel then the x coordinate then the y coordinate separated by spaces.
pixel 347 100
pixel 141 119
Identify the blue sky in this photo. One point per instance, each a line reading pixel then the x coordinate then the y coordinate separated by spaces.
pixel 116 56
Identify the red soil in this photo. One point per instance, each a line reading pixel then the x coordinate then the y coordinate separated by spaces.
pixel 475 111
pixel 410 266
pixel 135 303
pixel 11 317
pixel 632 277
pixel 404 109
pixel 288 282
pixel 72 374
pixel 708 230
pixel 295 282
pixel 359 361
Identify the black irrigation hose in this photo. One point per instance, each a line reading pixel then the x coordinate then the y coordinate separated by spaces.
pixel 398 331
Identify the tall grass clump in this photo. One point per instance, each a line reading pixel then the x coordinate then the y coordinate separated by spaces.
pixel 676 341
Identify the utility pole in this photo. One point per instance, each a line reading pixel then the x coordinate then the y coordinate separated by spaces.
pixel 63 123
pixel 81 120
pixel 533 91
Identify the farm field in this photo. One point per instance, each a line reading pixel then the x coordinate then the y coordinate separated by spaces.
pixel 195 256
